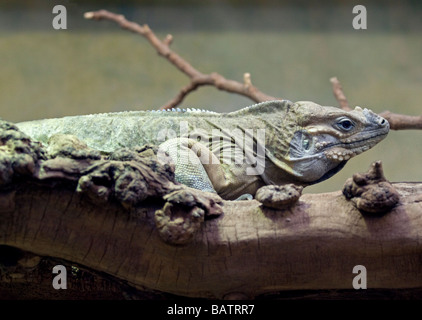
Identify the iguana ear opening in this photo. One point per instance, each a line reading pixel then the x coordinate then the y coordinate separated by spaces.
pixel 301 145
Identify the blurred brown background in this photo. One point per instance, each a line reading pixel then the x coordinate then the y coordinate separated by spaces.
pixel 291 49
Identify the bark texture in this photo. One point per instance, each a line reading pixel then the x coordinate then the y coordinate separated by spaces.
pixel 249 249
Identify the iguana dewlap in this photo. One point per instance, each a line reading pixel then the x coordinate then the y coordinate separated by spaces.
pixel 274 142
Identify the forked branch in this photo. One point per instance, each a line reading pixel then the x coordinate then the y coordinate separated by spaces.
pixel 197 78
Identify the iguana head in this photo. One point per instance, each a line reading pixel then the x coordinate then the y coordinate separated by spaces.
pixel 322 139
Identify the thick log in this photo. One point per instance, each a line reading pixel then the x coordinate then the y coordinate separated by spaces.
pixel 249 249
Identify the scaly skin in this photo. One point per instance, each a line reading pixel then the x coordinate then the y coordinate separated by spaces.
pixel 274 142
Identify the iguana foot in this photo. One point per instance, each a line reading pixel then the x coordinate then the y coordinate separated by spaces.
pixel 279 197
pixel 175 225
pixel 183 214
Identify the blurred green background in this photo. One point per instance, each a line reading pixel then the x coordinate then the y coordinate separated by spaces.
pixel 291 49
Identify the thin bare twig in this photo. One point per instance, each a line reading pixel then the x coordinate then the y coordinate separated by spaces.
pixel 339 94
pixel 197 78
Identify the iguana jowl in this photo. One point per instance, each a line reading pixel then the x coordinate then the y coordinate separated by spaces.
pixel 279 142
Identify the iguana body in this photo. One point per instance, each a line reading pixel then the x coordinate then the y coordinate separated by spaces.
pixel 275 142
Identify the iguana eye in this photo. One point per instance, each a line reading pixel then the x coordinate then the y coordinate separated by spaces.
pixel 345 124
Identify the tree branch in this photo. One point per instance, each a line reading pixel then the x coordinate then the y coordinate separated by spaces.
pixel 197 78
pixel 401 121
pixel 249 250
pixel 397 121
pixel 339 94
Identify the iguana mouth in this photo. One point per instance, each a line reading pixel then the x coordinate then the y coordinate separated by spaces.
pixel 347 149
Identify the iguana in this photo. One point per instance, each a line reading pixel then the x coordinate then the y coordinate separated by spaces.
pixel 235 153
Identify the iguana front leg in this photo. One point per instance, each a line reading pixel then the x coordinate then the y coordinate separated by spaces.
pixel 198 167
pixel 195 165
